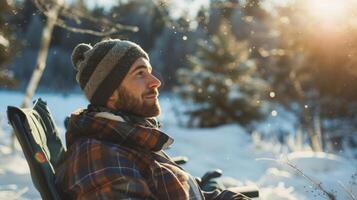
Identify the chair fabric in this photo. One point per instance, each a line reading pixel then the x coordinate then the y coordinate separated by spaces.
pixel 39 139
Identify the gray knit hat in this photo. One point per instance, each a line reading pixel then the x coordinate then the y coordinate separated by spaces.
pixel 101 68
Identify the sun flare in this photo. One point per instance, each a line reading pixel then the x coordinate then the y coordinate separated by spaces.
pixel 328 11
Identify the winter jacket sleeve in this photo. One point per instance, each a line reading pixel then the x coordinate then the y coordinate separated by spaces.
pixel 121 187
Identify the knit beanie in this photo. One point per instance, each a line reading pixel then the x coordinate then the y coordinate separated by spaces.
pixel 102 67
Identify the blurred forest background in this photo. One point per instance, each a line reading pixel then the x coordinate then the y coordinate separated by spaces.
pixel 232 60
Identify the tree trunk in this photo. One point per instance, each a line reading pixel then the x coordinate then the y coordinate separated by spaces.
pixel 52 16
pixel 43 51
pixel 307 118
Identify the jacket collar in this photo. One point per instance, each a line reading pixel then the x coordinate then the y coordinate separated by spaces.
pixel 116 128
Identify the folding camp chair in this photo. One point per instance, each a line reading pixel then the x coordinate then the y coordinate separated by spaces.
pixel 42 147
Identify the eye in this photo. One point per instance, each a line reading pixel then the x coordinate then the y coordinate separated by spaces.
pixel 140 73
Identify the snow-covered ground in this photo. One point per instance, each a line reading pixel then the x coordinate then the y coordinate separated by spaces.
pixel 249 160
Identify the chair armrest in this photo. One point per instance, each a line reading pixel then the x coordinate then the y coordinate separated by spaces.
pixel 249 191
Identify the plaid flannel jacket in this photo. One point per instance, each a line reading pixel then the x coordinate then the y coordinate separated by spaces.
pixel 108 158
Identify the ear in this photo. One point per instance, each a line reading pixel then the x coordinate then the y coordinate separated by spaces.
pixel 113 99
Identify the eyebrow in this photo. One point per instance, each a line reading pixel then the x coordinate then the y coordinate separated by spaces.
pixel 141 67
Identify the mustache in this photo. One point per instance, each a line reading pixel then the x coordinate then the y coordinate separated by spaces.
pixel 152 92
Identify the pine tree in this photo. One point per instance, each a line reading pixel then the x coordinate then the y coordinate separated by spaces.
pixel 221 81
pixel 309 68
pixel 253 8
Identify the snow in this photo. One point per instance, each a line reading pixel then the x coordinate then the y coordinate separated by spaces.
pixel 244 159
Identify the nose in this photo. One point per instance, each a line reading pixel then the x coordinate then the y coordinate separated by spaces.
pixel 154 82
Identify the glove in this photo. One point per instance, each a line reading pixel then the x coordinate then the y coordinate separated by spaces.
pixel 207 182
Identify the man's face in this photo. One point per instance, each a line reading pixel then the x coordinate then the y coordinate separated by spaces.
pixel 138 92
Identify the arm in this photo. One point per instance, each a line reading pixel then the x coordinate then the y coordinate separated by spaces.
pixel 122 187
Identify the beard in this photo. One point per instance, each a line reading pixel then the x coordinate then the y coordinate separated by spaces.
pixel 128 102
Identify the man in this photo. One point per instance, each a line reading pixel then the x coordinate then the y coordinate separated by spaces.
pixel 115 147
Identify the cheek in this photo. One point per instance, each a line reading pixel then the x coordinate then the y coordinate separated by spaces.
pixel 138 88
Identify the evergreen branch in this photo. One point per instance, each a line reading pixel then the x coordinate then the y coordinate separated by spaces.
pixel 168 21
pixel 7 80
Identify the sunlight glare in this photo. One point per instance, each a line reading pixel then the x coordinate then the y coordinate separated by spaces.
pixel 328 11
